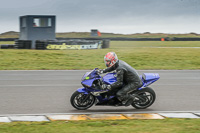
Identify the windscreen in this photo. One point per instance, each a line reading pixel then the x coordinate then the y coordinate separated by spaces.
pixel 89 75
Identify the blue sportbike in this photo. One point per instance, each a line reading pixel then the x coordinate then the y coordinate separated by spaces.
pixel 93 92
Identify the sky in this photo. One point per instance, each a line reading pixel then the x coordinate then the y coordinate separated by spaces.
pixel 110 16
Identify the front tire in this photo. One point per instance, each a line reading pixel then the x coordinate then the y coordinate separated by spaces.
pixel 82 101
pixel 148 97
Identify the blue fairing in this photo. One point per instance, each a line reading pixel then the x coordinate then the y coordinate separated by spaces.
pixel 91 74
pixel 110 78
pixel 88 82
pixel 148 78
pixel 82 90
pixel 151 76
pixel 89 78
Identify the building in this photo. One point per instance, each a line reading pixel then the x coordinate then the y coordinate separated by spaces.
pixel 37 27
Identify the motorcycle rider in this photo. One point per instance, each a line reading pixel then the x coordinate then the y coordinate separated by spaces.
pixel 127 78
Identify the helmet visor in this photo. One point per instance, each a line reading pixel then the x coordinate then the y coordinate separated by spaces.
pixel 108 63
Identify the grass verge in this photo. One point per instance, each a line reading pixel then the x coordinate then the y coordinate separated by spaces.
pixel 121 126
pixel 140 55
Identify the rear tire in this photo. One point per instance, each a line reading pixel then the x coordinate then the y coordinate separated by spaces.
pixel 77 100
pixel 148 96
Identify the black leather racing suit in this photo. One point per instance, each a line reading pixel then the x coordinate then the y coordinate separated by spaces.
pixel 127 76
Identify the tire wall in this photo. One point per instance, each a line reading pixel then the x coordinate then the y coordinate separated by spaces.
pixel 105 44
pixel 41 45
pixel 7 46
pixel 23 44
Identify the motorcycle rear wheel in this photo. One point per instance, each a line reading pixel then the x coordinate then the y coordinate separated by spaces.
pixel 77 99
pixel 148 97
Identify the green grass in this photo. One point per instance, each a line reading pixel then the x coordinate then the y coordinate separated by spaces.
pixel 140 55
pixel 118 126
pixel 13 34
pixel 132 44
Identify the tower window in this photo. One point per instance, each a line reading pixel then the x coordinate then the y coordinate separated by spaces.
pixel 42 22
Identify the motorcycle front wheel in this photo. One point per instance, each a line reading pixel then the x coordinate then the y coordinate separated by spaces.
pixel 146 98
pixel 82 101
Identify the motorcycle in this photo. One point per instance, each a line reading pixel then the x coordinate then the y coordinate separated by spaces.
pixel 93 91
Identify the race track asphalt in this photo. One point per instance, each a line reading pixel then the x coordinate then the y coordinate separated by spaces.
pixel 48 92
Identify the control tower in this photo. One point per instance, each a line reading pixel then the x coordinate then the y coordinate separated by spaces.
pixel 37 27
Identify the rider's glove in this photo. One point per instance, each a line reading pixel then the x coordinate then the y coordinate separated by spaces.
pixel 106 87
pixel 99 71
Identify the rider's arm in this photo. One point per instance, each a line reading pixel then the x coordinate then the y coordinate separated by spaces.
pixel 108 69
pixel 119 82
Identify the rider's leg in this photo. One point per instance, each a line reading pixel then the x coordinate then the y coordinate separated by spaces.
pixel 123 95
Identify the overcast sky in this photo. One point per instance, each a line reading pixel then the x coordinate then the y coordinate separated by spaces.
pixel 116 16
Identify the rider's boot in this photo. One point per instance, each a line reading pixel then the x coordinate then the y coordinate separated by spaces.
pixel 129 101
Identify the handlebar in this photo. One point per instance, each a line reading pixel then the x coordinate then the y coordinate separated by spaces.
pixel 99 71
